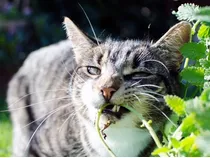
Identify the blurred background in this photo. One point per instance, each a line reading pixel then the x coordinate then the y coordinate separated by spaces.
pixel 26 25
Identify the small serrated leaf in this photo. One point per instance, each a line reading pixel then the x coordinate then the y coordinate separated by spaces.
pixel 188 125
pixel 175 143
pixel 206 85
pixel 176 104
pixel 204 63
pixel 187 143
pixel 160 150
pixel 204 32
pixel 193 50
pixel 186 12
pixel 193 75
pixel 207 74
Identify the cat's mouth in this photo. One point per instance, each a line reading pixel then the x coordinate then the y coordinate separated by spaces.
pixel 115 110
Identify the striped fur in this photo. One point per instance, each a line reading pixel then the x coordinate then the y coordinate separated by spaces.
pixel 57 99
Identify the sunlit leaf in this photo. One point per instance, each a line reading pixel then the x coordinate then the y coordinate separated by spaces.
pixel 176 104
pixel 204 32
pixel 160 150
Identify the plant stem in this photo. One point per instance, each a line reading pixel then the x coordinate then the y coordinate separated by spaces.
pixel 146 124
pixel 149 128
pixel 99 132
pixel 186 62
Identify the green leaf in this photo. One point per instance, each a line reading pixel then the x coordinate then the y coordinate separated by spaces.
pixel 204 32
pixel 175 143
pixel 186 12
pixel 160 150
pixel 207 74
pixel 205 63
pixel 176 104
pixel 187 143
pixel 203 143
pixel 193 50
pixel 188 125
pixel 193 75
pixel 203 14
pixel 205 96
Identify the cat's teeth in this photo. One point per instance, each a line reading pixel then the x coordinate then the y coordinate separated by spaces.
pixel 114 109
pixel 118 108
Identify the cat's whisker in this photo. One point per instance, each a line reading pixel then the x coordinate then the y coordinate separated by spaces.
pixel 149 85
pixel 158 110
pixel 91 28
pixel 65 67
pixel 136 83
pixel 142 93
pixel 58 109
pixel 36 93
pixel 152 60
pixel 46 101
pixel 153 93
pixel 37 119
pixel 164 115
pixel 60 128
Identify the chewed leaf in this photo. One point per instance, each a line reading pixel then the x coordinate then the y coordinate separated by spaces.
pixel 204 32
pixel 160 150
pixel 193 50
pixel 176 104
pixel 186 12
pixel 193 75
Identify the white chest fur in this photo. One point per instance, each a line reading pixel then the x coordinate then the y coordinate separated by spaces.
pixel 123 139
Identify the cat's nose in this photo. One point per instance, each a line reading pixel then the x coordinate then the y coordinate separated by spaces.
pixel 108 92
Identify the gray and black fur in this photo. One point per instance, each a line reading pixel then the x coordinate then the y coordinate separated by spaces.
pixel 46 100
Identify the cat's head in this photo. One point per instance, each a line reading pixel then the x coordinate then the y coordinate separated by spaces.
pixel 130 72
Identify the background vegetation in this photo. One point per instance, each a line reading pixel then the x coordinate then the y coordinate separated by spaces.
pixel 26 25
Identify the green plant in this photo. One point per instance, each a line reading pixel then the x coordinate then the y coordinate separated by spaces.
pixel 190 133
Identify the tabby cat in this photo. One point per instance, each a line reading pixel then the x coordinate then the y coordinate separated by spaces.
pixel 55 96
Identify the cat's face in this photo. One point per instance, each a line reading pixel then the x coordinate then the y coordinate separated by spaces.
pixel 132 73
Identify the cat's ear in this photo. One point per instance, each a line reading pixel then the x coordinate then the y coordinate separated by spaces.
pixel 80 42
pixel 168 46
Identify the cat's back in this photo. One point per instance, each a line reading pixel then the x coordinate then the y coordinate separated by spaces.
pixel 39 86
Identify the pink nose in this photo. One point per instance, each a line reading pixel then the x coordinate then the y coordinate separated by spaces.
pixel 108 92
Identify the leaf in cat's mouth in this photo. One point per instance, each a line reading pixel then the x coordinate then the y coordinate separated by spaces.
pixel 115 110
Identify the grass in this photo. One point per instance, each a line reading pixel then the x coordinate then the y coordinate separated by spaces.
pixel 5 133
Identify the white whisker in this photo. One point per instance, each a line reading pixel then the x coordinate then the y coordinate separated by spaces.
pixel 91 27
pixel 35 104
pixel 58 109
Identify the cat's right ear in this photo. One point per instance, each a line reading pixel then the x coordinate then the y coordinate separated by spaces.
pixel 80 42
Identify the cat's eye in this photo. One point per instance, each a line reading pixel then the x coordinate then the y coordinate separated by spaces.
pixel 92 70
pixel 137 75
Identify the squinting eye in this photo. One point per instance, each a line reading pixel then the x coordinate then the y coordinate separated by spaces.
pixel 137 76
pixel 140 75
pixel 93 70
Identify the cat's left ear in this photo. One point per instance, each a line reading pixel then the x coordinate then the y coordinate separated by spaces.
pixel 80 42
pixel 168 46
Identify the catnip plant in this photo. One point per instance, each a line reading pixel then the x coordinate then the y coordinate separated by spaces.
pixel 188 131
